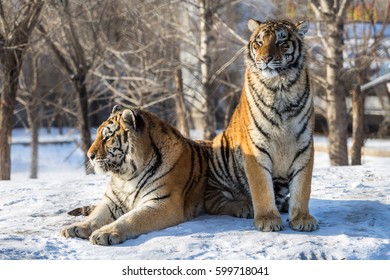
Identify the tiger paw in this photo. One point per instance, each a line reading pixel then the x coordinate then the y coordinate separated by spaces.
pixel 304 223
pixel 270 222
pixel 106 237
pixel 76 230
pixel 243 209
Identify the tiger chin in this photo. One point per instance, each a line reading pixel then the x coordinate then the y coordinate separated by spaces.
pixel 262 163
pixel 157 178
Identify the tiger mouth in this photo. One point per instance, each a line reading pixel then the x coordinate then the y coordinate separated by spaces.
pixel 266 67
pixel 100 165
pixel 275 69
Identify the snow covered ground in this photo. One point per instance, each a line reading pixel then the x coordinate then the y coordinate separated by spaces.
pixel 352 205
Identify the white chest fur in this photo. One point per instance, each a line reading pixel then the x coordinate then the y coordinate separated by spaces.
pixel 279 126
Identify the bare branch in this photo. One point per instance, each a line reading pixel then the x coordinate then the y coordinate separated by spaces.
pixel 234 33
pixel 342 8
pixel 227 64
pixel 317 14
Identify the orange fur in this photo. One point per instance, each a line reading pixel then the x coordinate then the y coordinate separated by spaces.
pixel 267 149
pixel 158 178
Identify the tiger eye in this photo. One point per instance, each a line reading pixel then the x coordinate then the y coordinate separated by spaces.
pixel 284 45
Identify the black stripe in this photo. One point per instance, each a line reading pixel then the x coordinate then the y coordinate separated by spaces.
pixel 249 52
pixel 125 136
pixel 265 116
pixel 293 174
pixel 296 107
pixel 153 190
pixel 159 177
pixel 215 173
pixel 121 206
pixel 152 167
pixel 165 173
pixel 227 157
pixel 224 149
pixel 266 169
pixel 196 157
pixel 264 83
pixel 298 48
pixel 124 153
pixel 200 156
pixel 258 97
pixel 236 171
pixel 265 134
pixel 307 118
pixel 261 149
pixel 221 165
pixel 300 152
pixel 161 197
pixel 111 213
pixel 133 166
pixel 190 178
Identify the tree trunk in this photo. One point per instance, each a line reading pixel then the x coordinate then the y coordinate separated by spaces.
pixel 357 125
pixel 336 107
pixel 83 120
pixel 205 23
pixel 181 119
pixel 12 48
pixel 34 148
pixel 8 100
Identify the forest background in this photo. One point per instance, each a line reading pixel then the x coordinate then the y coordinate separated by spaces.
pixel 65 63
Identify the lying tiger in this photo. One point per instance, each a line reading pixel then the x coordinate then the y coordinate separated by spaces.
pixel 158 178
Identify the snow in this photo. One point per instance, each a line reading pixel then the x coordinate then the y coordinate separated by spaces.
pixel 352 205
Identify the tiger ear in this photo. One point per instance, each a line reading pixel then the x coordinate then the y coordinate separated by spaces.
pixel 302 28
pixel 253 24
pixel 133 119
pixel 116 109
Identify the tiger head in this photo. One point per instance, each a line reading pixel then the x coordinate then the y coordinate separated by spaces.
pixel 116 148
pixel 276 46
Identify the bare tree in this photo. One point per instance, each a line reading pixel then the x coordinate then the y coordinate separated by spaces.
pixel 205 26
pixel 77 24
pixel 364 44
pixel 331 33
pixel 181 112
pixel 30 98
pixel 17 21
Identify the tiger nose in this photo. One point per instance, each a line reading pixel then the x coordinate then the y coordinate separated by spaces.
pixel 266 59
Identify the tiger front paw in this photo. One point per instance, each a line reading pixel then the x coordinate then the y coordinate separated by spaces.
pixel 76 230
pixel 304 223
pixel 269 222
pixel 106 237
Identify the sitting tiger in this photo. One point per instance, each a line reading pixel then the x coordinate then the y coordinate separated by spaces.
pixel 266 152
pixel 157 178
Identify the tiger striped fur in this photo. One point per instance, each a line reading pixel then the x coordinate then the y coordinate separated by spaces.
pixel 262 163
pixel 157 178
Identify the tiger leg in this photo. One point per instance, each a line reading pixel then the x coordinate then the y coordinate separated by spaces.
pixel 300 188
pixel 143 219
pixel 267 216
pixel 220 201
pixel 101 215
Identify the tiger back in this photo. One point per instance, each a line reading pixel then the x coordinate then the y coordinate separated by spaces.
pixel 262 163
pixel 157 178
